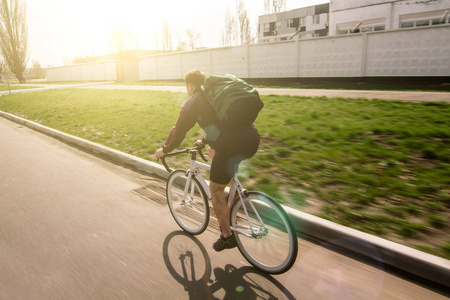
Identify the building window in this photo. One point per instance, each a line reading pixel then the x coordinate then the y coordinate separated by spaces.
pixel 293 23
pixel 343 31
pixel 316 19
pixel 422 23
pixel 302 21
pixel 278 25
pixel 290 23
pixel 320 32
pixel 437 22
pixel 407 25
pixel 266 27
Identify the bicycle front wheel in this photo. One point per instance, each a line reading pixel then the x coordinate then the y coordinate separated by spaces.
pixel 267 238
pixel 187 202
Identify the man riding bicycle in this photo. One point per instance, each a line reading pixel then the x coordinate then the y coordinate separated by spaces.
pixel 229 145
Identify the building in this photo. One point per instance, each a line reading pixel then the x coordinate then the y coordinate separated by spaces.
pixel 355 16
pixel 306 22
pixel 340 17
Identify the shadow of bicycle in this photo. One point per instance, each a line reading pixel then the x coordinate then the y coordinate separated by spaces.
pixel 188 262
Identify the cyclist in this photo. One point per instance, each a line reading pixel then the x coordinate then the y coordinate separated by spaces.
pixel 229 145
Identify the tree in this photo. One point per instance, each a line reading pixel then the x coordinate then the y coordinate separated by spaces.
pixel 274 6
pixel 189 41
pixel 193 39
pixel 182 45
pixel 229 34
pixel 167 38
pixel 13 36
pixel 2 68
pixel 36 70
pixel 245 29
pixel 238 30
pixel 123 41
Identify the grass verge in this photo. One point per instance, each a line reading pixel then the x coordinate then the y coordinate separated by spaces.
pixel 382 167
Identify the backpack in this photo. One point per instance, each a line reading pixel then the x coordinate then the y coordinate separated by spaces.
pixel 235 102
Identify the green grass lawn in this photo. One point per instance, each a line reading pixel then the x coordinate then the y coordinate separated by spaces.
pixel 382 167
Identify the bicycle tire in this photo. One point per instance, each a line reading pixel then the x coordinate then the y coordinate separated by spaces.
pixel 191 215
pixel 273 251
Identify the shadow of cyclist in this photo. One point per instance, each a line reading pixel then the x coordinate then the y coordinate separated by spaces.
pixel 188 262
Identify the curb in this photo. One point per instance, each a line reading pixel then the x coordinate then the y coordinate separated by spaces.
pixel 417 263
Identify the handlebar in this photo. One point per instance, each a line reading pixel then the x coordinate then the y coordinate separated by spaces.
pixel 192 151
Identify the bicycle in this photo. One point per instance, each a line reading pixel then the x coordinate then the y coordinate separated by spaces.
pixel 264 233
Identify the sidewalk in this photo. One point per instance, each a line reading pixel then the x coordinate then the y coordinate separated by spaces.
pixel 417 263
pixel 352 94
pixel 44 87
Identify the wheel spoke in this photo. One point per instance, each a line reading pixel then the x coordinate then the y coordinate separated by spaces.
pixel 272 246
pixel 191 213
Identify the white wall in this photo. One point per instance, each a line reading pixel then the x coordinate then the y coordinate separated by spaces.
pixel 84 72
pixel 273 60
pixel 413 52
pixel 421 51
pixel 407 52
pixel 331 57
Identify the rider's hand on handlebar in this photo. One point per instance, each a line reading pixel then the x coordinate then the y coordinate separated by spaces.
pixel 199 143
pixel 160 153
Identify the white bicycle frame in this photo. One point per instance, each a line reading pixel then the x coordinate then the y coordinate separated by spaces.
pixel 236 186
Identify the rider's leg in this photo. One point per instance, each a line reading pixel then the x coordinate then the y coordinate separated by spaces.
pixel 221 208
pixel 219 202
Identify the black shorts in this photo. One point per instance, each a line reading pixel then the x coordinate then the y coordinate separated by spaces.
pixel 231 149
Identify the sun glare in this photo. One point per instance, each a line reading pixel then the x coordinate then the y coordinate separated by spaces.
pixel 63 30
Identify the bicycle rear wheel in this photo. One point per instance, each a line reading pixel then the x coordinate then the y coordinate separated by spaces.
pixel 187 202
pixel 273 247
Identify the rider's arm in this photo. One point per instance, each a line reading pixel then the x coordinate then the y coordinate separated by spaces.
pixel 186 120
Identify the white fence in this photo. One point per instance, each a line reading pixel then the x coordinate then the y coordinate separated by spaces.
pixel 406 52
pixel 96 71
pixel 84 72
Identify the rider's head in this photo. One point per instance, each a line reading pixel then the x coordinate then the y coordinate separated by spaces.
pixel 194 80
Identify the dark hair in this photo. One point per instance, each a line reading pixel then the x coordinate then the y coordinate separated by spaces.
pixel 195 77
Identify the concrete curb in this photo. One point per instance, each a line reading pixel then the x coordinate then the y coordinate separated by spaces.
pixel 417 263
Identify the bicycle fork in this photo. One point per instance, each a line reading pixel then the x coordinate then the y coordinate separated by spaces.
pixel 255 233
pixel 189 183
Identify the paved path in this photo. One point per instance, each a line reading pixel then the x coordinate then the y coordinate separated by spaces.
pixel 73 227
pixel 385 95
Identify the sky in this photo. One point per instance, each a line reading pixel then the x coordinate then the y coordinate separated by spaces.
pixel 60 30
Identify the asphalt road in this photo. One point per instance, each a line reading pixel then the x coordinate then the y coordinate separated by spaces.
pixel 72 226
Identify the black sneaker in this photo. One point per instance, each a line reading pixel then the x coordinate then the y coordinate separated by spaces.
pixel 225 243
